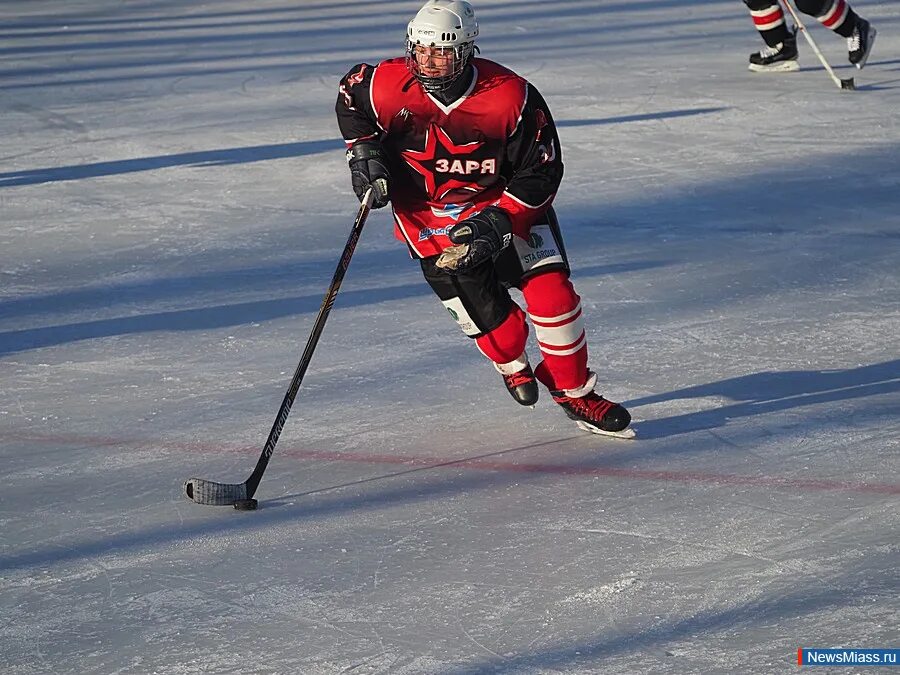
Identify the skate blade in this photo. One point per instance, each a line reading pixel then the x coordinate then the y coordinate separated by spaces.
pixel 780 67
pixel 627 433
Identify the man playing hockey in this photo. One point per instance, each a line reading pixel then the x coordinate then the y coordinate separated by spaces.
pixel 467 154
pixel 780 54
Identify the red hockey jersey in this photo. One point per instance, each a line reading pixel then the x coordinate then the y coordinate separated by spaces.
pixel 495 145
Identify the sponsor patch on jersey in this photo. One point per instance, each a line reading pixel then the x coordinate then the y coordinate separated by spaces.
pixel 452 210
pixel 427 232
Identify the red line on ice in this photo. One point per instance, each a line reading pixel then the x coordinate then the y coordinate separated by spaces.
pixel 810 484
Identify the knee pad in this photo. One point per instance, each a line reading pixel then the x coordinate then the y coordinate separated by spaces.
pixel 476 300
pixel 550 293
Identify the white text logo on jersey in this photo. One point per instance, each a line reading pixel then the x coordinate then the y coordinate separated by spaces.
pixel 447 167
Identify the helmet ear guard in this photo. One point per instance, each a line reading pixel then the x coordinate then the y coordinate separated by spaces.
pixel 442 24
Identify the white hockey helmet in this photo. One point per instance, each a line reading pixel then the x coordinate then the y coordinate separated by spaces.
pixel 449 27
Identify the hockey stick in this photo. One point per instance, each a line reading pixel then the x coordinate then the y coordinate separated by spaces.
pixel 842 84
pixel 240 495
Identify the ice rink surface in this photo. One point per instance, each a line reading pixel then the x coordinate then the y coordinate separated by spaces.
pixel 174 200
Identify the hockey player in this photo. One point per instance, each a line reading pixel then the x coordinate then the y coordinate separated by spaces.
pixel 780 54
pixel 467 154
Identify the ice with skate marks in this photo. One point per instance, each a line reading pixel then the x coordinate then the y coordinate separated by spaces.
pixel 626 434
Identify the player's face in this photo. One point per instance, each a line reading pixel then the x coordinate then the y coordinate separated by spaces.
pixel 433 61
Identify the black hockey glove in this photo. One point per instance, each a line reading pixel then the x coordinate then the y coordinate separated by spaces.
pixel 368 167
pixel 479 238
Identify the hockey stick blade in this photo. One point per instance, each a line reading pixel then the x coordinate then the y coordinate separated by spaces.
pixel 848 84
pixel 214 494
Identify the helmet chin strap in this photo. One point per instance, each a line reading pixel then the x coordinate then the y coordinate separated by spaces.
pixel 457 88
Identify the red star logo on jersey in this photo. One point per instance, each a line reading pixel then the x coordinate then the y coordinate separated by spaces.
pixel 446 166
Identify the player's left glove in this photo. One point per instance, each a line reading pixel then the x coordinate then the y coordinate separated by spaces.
pixel 368 169
pixel 478 238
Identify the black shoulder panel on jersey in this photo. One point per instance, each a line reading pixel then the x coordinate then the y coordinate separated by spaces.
pixel 355 116
pixel 533 153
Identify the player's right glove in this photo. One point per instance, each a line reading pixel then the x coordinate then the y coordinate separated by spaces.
pixel 478 238
pixel 368 168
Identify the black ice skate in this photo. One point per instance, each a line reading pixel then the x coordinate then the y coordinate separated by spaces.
pixel 860 43
pixel 782 58
pixel 520 384
pixel 594 413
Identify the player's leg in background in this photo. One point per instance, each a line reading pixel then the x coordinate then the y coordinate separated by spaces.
pixel 780 52
pixel 838 15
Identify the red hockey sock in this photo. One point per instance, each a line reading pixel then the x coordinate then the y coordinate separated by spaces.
pixel 835 18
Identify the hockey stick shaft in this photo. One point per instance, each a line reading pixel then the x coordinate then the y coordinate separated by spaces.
pixel 841 84
pixel 327 303
pixel 210 492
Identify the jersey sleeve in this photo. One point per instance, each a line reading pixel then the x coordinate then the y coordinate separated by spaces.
pixel 355 115
pixel 535 163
